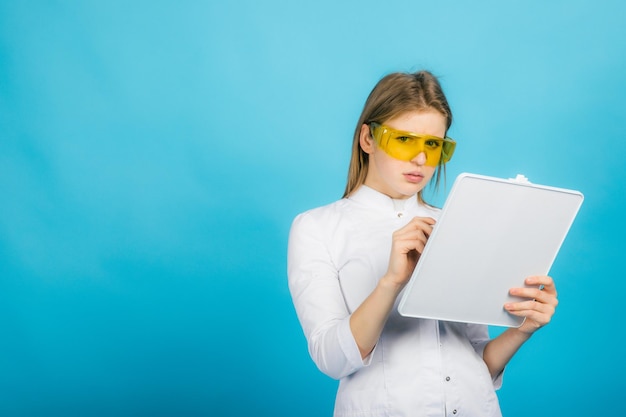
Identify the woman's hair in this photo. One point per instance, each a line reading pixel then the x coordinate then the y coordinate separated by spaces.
pixel 394 95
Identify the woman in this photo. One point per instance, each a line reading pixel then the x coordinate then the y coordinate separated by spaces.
pixel 349 261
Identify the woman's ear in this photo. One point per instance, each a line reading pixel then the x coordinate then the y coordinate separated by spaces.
pixel 365 140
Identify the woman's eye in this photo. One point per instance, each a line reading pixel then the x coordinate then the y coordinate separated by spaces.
pixel 404 139
pixel 433 144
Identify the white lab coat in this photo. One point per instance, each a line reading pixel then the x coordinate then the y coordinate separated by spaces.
pixel 419 367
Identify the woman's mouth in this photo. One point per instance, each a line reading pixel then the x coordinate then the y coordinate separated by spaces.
pixel 413 177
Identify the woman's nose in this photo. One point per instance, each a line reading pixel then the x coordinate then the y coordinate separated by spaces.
pixel 420 158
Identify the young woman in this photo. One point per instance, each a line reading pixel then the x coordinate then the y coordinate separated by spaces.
pixel 349 261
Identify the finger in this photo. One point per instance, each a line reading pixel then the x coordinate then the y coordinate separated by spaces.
pixel 539 295
pixel 541 318
pixel 416 225
pixel 411 234
pixel 427 223
pixel 540 313
pixel 419 231
pixel 422 231
pixel 530 305
pixel 424 221
pixel 417 243
pixel 534 320
pixel 427 220
pixel 544 282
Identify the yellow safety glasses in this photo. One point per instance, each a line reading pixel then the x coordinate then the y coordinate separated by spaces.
pixel 406 145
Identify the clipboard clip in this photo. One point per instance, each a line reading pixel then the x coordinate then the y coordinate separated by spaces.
pixel 520 179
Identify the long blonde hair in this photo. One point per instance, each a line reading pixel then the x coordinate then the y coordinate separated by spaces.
pixel 393 95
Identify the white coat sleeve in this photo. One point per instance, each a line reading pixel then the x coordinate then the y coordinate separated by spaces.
pixel 318 300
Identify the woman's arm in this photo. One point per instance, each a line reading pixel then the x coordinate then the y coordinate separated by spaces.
pixel 538 310
pixel 317 297
pixel 368 320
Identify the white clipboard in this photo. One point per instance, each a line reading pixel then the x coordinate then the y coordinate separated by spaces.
pixel 492 233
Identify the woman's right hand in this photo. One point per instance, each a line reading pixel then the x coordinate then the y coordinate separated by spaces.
pixel 406 247
pixel 368 320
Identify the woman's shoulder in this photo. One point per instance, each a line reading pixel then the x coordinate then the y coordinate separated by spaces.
pixel 323 214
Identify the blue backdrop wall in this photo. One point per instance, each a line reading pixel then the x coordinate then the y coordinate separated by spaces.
pixel 154 153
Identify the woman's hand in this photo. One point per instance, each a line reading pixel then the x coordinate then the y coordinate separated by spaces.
pixel 368 320
pixel 406 248
pixel 540 306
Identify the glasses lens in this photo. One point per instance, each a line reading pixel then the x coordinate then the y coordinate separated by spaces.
pixel 406 146
pixel 448 149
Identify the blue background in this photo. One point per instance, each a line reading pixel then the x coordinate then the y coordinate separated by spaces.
pixel 153 155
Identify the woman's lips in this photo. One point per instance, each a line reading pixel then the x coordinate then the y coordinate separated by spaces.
pixel 413 177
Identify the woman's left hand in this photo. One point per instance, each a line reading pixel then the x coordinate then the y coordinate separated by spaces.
pixel 540 306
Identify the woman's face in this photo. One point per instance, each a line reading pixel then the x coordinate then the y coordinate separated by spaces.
pixel 397 178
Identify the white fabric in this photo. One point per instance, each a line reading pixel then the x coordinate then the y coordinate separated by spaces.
pixel 419 367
